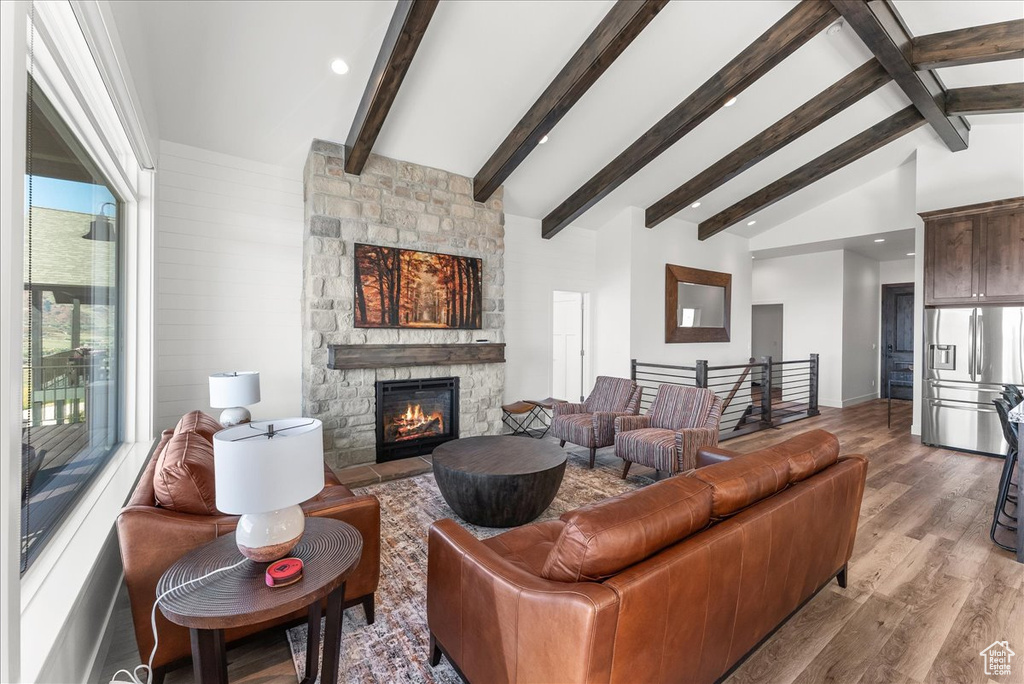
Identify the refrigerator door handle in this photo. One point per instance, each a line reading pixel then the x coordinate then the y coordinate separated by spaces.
pixel 972 347
pixel 979 343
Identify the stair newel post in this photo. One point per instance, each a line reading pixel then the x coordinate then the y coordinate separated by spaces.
pixel 812 400
pixel 702 374
pixel 766 391
pixel 632 370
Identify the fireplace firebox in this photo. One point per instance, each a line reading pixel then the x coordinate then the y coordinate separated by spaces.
pixel 414 416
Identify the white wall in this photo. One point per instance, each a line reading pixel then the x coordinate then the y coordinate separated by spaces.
pixel 534 269
pixel 613 296
pixel 898 271
pixel 675 242
pixel 990 168
pixel 883 204
pixel 229 280
pixel 810 289
pixel 861 312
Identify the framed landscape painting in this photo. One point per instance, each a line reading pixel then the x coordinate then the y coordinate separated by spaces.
pixel 404 288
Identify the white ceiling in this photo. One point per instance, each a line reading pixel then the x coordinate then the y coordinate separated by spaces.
pixel 895 245
pixel 252 80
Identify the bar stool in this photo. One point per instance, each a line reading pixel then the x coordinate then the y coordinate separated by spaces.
pixel 1005 480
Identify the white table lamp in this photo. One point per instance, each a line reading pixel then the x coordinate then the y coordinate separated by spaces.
pixel 264 470
pixel 233 392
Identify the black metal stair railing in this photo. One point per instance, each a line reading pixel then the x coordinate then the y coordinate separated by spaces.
pixel 756 395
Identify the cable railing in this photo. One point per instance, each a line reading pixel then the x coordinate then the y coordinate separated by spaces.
pixel 756 395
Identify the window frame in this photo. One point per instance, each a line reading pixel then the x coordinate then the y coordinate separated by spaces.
pixel 94 97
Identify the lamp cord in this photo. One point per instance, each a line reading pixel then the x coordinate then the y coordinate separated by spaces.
pixel 134 676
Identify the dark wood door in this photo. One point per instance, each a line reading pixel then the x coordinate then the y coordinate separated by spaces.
pixel 1002 258
pixel 898 341
pixel 950 261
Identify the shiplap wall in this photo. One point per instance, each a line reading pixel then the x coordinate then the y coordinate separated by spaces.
pixel 229 279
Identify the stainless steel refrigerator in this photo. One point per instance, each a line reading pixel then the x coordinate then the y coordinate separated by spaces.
pixel 969 355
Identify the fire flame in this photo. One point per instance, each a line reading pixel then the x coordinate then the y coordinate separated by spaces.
pixel 407 424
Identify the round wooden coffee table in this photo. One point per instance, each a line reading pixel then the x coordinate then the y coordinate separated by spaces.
pixel 498 481
pixel 329 549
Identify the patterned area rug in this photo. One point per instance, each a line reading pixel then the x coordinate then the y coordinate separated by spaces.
pixel 394 648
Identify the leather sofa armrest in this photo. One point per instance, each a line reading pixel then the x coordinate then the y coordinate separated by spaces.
pixel 474 597
pixel 710 455
pixel 566 408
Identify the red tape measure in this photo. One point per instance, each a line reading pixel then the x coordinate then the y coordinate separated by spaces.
pixel 284 571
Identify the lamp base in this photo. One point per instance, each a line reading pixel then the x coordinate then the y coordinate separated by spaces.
pixel 234 416
pixel 270 536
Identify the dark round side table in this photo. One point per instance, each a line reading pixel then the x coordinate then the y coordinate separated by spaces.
pixel 498 481
pixel 329 549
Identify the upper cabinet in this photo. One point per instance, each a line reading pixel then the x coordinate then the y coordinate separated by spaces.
pixel 975 254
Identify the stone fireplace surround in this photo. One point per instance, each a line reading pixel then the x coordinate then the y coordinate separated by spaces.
pixel 400 204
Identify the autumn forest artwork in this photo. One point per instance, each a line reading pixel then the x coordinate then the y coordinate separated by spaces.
pixel 403 288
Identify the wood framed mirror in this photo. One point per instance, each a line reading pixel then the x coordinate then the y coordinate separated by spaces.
pixel 697 304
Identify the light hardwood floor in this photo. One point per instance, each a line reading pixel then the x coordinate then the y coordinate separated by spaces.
pixel 927 589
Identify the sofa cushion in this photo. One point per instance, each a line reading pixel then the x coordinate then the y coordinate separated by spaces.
pixel 604 538
pixel 183 480
pixel 528 546
pixel 744 480
pixel 200 423
pixel 809 453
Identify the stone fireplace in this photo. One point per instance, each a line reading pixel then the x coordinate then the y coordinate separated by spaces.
pixel 393 204
pixel 414 416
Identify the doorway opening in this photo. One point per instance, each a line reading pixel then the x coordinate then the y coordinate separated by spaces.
pixel 569 357
pixel 766 335
pixel 897 362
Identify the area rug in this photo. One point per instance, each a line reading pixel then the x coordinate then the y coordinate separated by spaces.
pixel 394 648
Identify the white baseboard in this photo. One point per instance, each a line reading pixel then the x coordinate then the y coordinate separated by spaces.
pixel 859 400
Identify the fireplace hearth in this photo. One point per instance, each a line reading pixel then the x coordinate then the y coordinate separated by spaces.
pixel 414 416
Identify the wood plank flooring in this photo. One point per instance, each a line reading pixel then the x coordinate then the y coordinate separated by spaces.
pixel 927 589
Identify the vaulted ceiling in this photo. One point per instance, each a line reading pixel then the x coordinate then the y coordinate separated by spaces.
pixel 253 80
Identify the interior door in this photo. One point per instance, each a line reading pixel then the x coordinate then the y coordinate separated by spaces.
pixel 897 376
pixel 766 335
pixel 567 345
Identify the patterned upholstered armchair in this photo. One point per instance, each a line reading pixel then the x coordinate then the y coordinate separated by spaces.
pixel 592 423
pixel 679 422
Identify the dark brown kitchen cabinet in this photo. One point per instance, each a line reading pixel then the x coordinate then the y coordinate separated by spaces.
pixel 975 254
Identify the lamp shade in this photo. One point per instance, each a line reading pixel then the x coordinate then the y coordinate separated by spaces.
pixel 238 388
pixel 259 468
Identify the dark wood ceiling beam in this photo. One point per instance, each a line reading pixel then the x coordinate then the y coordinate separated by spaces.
pixel 834 99
pixel 991 99
pixel 408 24
pixel 974 45
pixel 798 26
pixel 881 29
pixel 624 22
pixel 862 144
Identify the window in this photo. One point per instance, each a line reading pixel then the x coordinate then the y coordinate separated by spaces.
pixel 72 329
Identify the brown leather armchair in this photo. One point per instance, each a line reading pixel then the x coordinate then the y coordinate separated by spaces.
pixel 674 582
pixel 152 538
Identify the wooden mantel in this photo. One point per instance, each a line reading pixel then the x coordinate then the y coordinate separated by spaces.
pixel 348 356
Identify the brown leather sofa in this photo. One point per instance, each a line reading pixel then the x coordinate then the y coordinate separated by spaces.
pixel 675 582
pixel 152 537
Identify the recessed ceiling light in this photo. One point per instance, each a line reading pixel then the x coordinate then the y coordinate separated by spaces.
pixel 339 66
pixel 753 257
pixel 730 102
pixel 750 223
pixel 910 254
pixel 695 205
pixel 879 239
pixel 835 28
pixel 543 140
